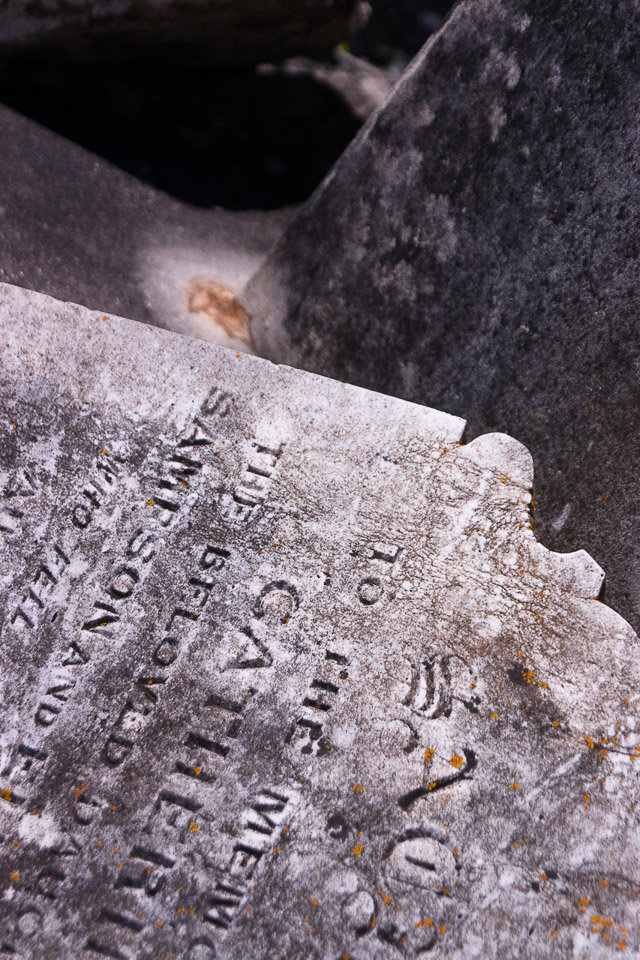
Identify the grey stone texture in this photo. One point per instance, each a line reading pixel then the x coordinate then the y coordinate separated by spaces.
pixel 231 32
pixel 74 226
pixel 285 672
pixel 476 249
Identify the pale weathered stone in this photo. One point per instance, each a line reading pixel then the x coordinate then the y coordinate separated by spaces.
pixel 286 674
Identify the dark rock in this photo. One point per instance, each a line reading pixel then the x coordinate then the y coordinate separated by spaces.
pixel 242 32
pixel 476 248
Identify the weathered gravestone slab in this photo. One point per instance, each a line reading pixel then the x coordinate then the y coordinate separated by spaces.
pixel 476 249
pixel 285 672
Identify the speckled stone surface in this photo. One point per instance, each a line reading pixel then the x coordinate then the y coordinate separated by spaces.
pixel 476 249
pixel 286 673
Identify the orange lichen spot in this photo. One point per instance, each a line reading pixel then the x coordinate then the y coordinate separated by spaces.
pixel 17 843
pixel 100 844
pixel 357 788
pixel 15 426
pixel 150 502
pixel 314 903
pixel 276 849
pixel 433 785
pixel 192 910
pixel 445 891
pixel 589 742
pixel 443 928
pixel 159 923
pixel 357 850
pixel 539 416
pixel 373 921
pixel 555 723
pixel 194 826
pixel 514 786
pixel 586 798
pixel 494 716
pixel 553 934
pixel 584 902
pixel 429 754
pixel 456 761
pixel 104 452
pixel 180 910
pixel 15 878
pixel 6 794
pixel 473 686
pixel 604 883
pixel 427 922
pixel 455 853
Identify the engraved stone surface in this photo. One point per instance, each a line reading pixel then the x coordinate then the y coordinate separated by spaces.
pixel 285 672
pixel 476 249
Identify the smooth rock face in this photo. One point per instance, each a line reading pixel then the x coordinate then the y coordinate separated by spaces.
pixel 476 249
pixel 285 672
pixel 245 31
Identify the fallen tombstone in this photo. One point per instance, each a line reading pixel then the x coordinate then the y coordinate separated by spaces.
pixel 476 249
pixel 286 673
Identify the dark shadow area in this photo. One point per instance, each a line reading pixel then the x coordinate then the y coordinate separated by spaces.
pixel 232 138
pixel 398 28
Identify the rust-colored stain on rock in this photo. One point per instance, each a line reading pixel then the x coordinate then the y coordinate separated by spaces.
pixel 222 307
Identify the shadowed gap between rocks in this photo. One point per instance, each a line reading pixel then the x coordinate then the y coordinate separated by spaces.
pixel 239 139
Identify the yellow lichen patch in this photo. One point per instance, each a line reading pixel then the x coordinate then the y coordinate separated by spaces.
pixel 357 850
pixel 194 826
pixel 429 754
pixel 553 934
pixel 589 742
pixel 6 794
pixel 197 771
pixel 514 786
pixel 357 788
pixel 456 761
pixel 432 785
